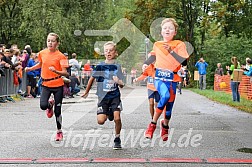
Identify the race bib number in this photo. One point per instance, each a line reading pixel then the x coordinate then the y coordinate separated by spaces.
pixel 150 80
pixel 164 74
pixel 109 85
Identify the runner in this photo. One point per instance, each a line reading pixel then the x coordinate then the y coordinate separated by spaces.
pixel 169 55
pixel 152 92
pixel 109 77
pixel 53 65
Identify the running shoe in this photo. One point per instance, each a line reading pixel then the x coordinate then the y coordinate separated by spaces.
pixel 49 111
pixel 59 136
pixel 150 130
pixel 163 131
pixel 29 96
pixel 117 144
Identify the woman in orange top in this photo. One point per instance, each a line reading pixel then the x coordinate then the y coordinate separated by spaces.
pixel 53 65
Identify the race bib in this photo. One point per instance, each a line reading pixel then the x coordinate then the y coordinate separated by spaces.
pixel 164 74
pixel 150 80
pixel 109 85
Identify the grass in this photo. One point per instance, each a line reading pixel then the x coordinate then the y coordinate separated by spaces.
pixel 224 98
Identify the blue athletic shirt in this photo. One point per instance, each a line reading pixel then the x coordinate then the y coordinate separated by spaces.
pixel 106 87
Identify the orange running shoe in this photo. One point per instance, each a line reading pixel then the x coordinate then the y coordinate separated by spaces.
pixel 150 130
pixel 49 112
pixel 163 131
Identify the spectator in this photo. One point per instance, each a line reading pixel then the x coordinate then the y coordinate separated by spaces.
pixel 234 84
pixel 133 74
pixel 202 66
pixel 7 59
pixel 75 82
pixel 86 73
pixel 31 78
pixel 2 64
pixel 186 80
pixel 124 71
pixel 38 78
pixel 219 69
pixel 181 74
pixel 24 58
pixel 75 67
pixel 14 47
pixel 16 60
pixel 68 68
pixel 249 71
pixel 2 47
pixel 66 89
pixel 28 49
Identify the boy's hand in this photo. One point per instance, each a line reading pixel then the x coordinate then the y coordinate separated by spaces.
pixel 167 47
pixel 119 82
pixel 135 80
pixel 116 79
pixel 85 95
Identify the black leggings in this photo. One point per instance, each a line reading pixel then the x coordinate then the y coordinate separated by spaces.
pixel 58 96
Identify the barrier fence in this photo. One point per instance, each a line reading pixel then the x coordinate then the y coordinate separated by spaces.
pixel 222 83
pixel 7 87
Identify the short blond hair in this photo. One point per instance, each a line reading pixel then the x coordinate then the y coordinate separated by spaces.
pixel 170 20
pixel 55 35
pixel 110 43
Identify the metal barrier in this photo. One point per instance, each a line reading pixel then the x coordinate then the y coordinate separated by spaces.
pixel 7 88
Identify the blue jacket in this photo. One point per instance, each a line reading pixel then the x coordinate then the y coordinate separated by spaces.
pixel 31 63
pixel 201 67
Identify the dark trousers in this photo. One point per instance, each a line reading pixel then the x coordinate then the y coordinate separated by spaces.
pixel 58 96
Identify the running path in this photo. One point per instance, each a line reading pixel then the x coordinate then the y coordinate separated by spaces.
pixel 202 132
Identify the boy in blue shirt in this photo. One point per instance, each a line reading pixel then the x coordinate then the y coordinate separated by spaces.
pixel 108 76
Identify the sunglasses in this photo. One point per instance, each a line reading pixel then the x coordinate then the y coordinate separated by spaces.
pixel 7 50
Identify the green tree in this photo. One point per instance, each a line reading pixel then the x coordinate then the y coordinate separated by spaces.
pixel 9 19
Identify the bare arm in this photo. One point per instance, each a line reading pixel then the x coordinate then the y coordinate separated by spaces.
pixel 37 66
pixel 89 85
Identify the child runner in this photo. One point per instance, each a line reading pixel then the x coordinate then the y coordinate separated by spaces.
pixel 181 74
pixel 152 92
pixel 53 65
pixel 169 55
pixel 108 76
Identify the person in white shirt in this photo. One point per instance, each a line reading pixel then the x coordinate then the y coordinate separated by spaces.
pixel 74 64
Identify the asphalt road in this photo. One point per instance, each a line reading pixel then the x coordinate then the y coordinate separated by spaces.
pixel 202 133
